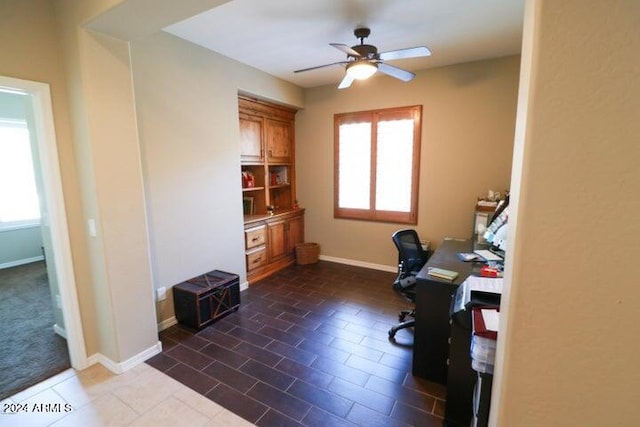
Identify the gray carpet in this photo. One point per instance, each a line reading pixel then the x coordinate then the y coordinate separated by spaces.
pixel 30 351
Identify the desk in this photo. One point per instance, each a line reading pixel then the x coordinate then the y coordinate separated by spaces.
pixel 442 339
pixel 433 301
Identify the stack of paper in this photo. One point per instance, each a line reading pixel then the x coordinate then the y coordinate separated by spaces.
pixel 483 354
pixel 441 273
pixel 483 342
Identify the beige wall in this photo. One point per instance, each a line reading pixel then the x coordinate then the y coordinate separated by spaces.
pixel 467 144
pixel 568 348
pixel 106 145
pixel 186 99
pixel 30 51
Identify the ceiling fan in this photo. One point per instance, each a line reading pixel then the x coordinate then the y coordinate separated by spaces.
pixel 363 60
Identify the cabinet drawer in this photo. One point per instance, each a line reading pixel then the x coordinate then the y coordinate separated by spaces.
pixel 256 258
pixel 255 237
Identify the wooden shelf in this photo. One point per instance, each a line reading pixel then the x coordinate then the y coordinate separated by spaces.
pixel 268 153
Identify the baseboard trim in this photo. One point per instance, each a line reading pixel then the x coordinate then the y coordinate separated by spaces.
pixel 21 262
pixel 121 367
pixel 167 323
pixel 356 263
pixel 58 330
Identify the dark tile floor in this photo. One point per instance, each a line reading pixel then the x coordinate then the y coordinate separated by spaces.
pixel 308 346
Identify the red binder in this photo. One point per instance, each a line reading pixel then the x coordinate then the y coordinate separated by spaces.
pixel 479 327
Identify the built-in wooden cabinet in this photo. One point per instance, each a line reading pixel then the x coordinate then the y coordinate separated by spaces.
pixel 267 150
pixel 270 242
pixel 273 221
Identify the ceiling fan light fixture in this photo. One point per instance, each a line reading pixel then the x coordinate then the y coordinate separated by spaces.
pixel 362 70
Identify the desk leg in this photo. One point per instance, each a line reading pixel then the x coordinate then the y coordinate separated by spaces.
pixel 432 329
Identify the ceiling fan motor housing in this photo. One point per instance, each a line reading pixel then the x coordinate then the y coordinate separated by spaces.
pixel 366 50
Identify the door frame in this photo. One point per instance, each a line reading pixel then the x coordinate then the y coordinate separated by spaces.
pixel 57 216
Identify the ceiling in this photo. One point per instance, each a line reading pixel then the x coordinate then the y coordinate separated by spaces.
pixel 280 36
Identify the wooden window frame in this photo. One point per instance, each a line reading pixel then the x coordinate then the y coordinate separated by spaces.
pixel 373 116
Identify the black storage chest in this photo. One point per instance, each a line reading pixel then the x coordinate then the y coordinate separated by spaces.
pixel 204 299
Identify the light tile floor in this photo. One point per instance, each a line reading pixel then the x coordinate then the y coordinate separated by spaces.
pixel 96 397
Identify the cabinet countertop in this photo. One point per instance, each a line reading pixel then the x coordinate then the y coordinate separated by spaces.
pixel 249 219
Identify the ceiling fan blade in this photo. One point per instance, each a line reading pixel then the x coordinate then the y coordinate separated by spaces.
pixel 346 49
pixel 321 66
pixel 346 81
pixel 412 52
pixel 396 72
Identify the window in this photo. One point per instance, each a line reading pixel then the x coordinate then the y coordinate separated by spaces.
pixel 377 159
pixel 19 205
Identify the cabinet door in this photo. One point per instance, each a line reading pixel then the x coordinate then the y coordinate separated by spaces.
pixel 277 240
pixel 295 233
pixel 251 148
pixel 279 137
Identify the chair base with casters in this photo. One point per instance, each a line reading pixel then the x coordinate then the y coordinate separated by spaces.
pixel 404 285
pixel 403 324
pixel 411 259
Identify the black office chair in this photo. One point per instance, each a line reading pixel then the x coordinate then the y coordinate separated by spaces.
pixel 411 257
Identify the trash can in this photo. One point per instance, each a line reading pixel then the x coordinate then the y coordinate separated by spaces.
pixel 307 253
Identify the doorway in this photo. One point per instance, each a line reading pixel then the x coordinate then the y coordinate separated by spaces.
pixel 55 237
